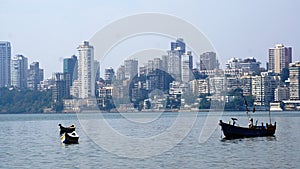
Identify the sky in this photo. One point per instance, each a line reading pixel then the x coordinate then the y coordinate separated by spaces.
pixel 50 30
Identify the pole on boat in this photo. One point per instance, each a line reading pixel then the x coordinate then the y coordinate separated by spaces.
pixel 270 116
pixel 246 104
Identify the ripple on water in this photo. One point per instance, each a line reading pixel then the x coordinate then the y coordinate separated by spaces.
pixel 32 141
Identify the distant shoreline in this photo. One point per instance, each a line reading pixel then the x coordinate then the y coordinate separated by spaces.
pixel 154 111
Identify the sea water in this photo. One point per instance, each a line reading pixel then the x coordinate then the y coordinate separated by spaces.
pixel 32 141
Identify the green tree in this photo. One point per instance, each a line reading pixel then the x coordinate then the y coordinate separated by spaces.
pixel 24 101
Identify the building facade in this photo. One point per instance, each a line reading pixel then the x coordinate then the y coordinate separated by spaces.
pixel 70 66
pixel 178 45
pixel 109 75
pixel 294 81
pixel 19 68
pixel 281 93
pixel 209 61
pixel 121 73
pixel 97 70
pixel 61 87
pixel 35 75
pixel 263 88
pixel 279 58
pixel 131 68
pixel 186 67
pixel 86 70
pixel 5 57
pixel 248 65
pixel 174 64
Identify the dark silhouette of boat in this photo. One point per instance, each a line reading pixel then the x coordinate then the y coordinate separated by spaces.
pixel 69 138
pixel 68 135
pixel 232 131
pixel 69 129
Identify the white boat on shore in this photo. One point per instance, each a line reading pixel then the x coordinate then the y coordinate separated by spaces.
pixel 275 106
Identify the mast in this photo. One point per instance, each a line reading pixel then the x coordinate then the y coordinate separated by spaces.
pixel 246 104
pixel 270 115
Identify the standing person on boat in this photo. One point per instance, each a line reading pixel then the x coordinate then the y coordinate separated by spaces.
pixel 250 124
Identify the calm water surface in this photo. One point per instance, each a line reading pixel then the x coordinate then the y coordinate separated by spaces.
pixel 32 141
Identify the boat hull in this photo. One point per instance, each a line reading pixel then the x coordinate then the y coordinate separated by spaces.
pixel 69 138
pixel 231 131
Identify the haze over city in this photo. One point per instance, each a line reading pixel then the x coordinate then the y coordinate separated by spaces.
pixel 48 31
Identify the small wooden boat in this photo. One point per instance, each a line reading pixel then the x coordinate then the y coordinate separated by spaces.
pixel 231 131
pixel 68 135
pixel 69 138
pixel 69 129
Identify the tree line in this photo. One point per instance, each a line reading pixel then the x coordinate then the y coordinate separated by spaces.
pixel 14 100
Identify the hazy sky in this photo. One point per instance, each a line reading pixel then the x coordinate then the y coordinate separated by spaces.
pixel 50 30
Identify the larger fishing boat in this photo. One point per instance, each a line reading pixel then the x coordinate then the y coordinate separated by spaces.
pixel 233 131
pixel 252 130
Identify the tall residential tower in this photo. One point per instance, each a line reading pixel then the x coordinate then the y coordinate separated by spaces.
pixel 294 81
pixel 131 68
pixel 5 56
pixel 86 71
pixel 35 75
pixel 279 58
pixel 70 66
pixel 19 66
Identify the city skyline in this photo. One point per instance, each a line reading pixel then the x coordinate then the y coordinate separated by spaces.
pixel 203 63
pixel 240 32
pixel 170 76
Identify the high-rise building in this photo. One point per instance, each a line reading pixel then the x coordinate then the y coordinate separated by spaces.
pixel 294 81
pixel 61 87
pixel 41 75
pixel 74 90
pixel 232 82
pixel 86 70
pixel 217 85
pixel 70 66
pixel 131 68
pixel 143 71
pixel 164 62
pixel 179 45
pixel 200 86
pixel 97 70
pixel 247 65
pixel 174 59
pixel 5 56
pixel 250 64
pixel 157 63
pixel 279 58
pixel 154 64
pixel 263 88
pixel 158 80
pixel 121 73
pixel 246 85
pixel 150 66
pixel 209 61
pixel 281 93
pixel 174 64
pixel 35 75
pixel 186 67
pixel 109 75
pixel 19 66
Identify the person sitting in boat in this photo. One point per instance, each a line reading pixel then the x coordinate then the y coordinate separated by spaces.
pixel 250 124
